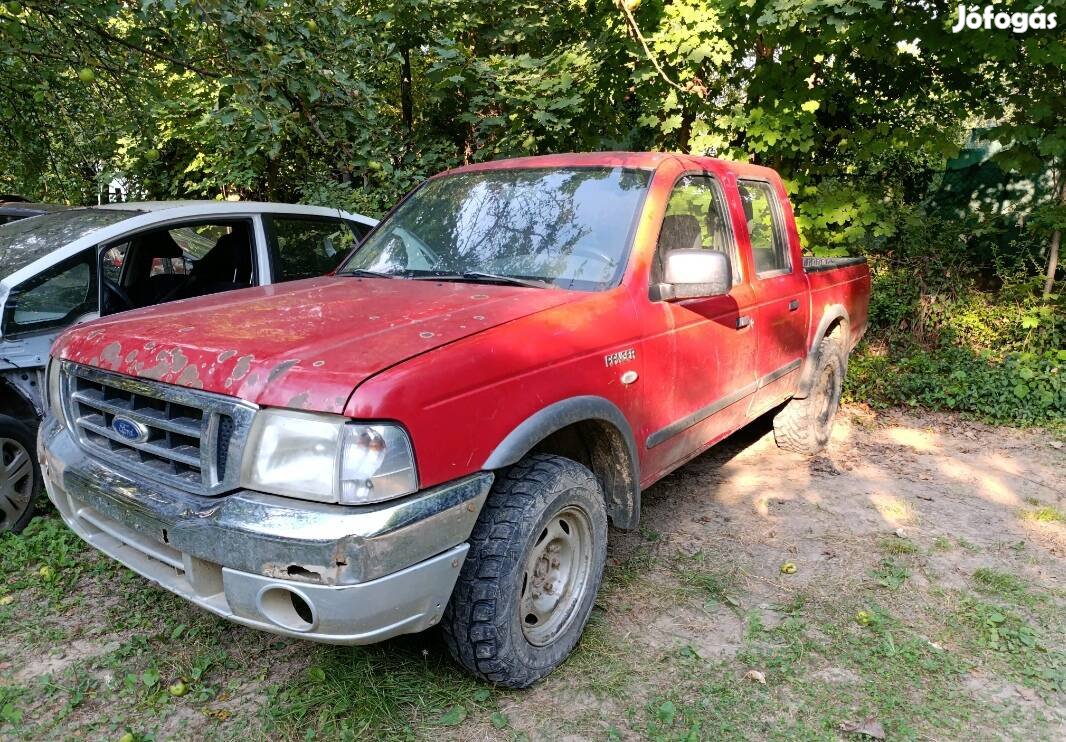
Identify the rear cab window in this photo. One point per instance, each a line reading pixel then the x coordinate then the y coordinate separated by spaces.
pixel 765 225
pixel 308 246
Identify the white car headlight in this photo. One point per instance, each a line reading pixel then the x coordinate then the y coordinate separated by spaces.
pixel 327 458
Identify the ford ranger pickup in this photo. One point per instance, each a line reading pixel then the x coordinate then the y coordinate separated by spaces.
pixel 440 431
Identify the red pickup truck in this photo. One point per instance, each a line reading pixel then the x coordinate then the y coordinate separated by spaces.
pixel 441 430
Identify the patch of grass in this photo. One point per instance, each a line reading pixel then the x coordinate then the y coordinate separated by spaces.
pixel 942 543
pixel 697 576
pixel 898 546
pixel 1003 584
pixel 1045 514
pixel 1018 648
pixel 384 690
pixel 890 573
pixel 628 570
pixel 47 556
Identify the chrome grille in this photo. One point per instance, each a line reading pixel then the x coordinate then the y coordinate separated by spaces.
pixel 192 438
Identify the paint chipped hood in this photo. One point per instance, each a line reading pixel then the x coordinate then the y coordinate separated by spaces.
pixel 306 344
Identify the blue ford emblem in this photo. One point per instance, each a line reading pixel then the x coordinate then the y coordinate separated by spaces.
pixel 131 430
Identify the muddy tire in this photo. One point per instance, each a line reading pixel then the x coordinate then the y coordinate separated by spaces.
pixel 20 477
pixel 529 581
pixel 804 425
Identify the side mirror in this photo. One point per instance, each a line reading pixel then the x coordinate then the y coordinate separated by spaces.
pixel 694 273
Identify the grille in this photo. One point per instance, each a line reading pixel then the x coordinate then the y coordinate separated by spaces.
pixel 184 437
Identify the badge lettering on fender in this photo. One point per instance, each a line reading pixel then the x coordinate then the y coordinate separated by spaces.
pixel 613 359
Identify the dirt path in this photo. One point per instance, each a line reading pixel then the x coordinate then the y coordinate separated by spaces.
pixel 927 599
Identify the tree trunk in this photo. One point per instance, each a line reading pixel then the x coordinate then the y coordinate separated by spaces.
pixel 1053 253
pixel 1052 262
pixel 406 105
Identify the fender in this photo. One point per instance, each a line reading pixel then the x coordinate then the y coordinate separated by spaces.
pixel 832 313
pixel 623 506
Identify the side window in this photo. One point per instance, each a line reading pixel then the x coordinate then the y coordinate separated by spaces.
pixel 697 218
pixel 54 298
pixel 769 247
pixel 309 247
pixel 112 260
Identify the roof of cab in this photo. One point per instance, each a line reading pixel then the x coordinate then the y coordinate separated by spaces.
pixel 637 160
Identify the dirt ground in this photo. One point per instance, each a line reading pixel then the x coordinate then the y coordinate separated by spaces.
pixel 926 602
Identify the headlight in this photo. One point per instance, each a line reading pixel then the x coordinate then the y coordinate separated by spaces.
pixel 53 389
pixel 327 458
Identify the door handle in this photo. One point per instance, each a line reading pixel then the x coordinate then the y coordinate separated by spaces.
pixel 794 305
pixel 743 322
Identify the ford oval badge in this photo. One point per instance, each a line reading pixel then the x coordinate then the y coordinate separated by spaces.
pixel 130 430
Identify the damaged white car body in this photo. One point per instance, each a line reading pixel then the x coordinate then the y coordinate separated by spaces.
pixel 75 265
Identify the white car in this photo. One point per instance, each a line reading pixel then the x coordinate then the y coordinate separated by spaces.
pixel 74 265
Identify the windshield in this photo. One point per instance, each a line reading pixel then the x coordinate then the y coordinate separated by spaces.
pixel 567 227
pixel 25 240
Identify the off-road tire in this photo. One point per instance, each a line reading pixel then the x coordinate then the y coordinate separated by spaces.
pixel 804 425
pixel 16 511
pixel 482 625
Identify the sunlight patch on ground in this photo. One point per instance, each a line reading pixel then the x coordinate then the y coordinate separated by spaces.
pixel 919 440
pixel 895 511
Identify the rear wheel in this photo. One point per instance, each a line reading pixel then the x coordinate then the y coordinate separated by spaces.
pixel 804 425
pixel 530 578
pixel 20 478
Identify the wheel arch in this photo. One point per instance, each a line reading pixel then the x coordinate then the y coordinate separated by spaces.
pixel 835 321
pixel 14 402
pixel 590 430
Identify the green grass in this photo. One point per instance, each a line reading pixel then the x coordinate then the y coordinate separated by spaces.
pixel 873 647
pixel 1045 514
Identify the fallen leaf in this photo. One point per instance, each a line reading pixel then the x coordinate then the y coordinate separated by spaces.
pixel 755 676
pixel 455 716
pixel 900 533
pixel 925 497
pixel 788 568
pixel 869 726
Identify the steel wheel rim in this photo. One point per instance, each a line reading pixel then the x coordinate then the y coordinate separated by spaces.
pixel 556 575
pixel 16 481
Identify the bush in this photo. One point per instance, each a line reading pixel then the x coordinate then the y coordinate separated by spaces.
pixel 1018 389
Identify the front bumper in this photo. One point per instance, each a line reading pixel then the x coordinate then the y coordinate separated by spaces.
pixel 337 574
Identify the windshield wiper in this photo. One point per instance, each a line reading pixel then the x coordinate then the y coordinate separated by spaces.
pixel 369 274
pixel 480 277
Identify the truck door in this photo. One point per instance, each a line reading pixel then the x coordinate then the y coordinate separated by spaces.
pixel 782 309
pixel 701 349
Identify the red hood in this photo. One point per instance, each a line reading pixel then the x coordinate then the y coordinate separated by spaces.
pixel 306 344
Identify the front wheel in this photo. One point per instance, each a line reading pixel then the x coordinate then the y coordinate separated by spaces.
pixel 20 478
pixel 804 425
pixel 530 578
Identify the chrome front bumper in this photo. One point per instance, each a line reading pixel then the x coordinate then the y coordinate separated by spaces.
pixel 337 574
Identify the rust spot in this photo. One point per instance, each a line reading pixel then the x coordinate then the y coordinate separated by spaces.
pixel 191 377
pixel 226 355
pixel 425 335
pixel 112 354
pixel 318 364
pixel 178 361
pixel 299 401
pixel 131 357
pixel 478 317
pixel 186 329
pixel 479 296
pixel 150 345
pixel 241 368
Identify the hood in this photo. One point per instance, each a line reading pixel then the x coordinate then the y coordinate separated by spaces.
pixel 304 345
